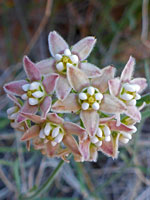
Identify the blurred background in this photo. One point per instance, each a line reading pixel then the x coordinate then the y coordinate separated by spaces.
pixel 121 29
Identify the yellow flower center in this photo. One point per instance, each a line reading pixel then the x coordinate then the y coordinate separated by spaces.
pixel 65 59
pixel 49 137
pixel 129 93
pixel 91 99
pixel 29 93
pixel 34 92
pixel 52 132
pixel 103 133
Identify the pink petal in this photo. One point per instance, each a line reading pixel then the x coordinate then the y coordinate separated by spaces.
pixel 31 70
pixel 54 118
pixel 77 79
pixel 71 143
pixel 49 82
pixel 90 120
pixel 75 129
pixel 90 70
pixel 111 148
pixel 46 66
pixel 134 113
pixel 27 108
pixel 141 82
pixel 114 86
pixel 51 150
pixel 106 119
pixel 113 126
pixel 17 126
pixel 56 43
pixel 45 106
pixel 62 153
pixel 31 133
pixel 70 104
pixel 14 99
pixel 84 47
pixel 38 143
pixel 101 82
pixel 34 118
pixel 128 70
pixel 62 88
pixel 112 105
pixel 85 148
pixel 15 87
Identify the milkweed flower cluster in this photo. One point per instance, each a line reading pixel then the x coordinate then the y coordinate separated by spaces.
pixel 67 83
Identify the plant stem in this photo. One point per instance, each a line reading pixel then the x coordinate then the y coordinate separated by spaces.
pixel 46 185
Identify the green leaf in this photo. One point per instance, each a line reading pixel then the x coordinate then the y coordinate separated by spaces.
pixel 144 98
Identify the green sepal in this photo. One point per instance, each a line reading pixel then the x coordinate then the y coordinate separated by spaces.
pixel 20 101
pixel 28 122
pixel 27 80
pixel 81 124
pixel 84 61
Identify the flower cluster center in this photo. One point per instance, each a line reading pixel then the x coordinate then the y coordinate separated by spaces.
pixel 103 133
pixel 90 98
pixel 51 132
pixel 129 93
pixel 34 92
pixel 65 60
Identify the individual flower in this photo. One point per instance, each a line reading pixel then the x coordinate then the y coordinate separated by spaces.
pixel 64 57
pixel 51 134
pixel 90 98
pixel 127 89
pixel 35 91
pixel 13 113
pixel 106 139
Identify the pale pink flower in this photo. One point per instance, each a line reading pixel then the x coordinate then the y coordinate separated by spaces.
pixel 106 139
pixel 64 57
pixel 13 113
pixel 36 91
pixel 52 133
pixel 128 89
pixel 90 98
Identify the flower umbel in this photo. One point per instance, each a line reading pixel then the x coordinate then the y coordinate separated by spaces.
pixel 105 106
